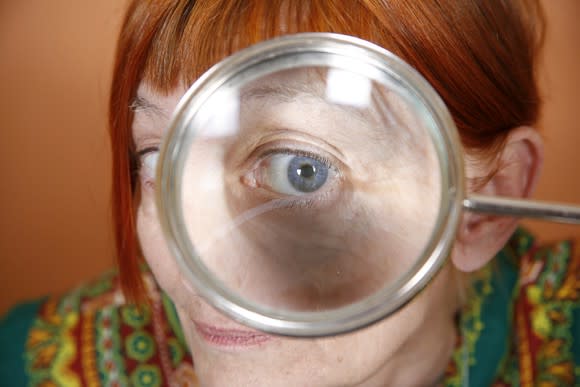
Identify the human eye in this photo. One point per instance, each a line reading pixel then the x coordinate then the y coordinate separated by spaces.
pixel 293 173
pixel 147 159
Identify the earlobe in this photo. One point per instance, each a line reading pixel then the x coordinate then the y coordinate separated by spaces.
pixel 481 236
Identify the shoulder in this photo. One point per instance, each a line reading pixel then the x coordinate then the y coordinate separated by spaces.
pixel 546 309
pixel 521 323
pixel 90 336
pixel 14 328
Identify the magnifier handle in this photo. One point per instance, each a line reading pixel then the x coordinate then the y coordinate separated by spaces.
pixel 523 208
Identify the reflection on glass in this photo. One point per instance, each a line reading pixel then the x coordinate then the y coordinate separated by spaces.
pixel 310 189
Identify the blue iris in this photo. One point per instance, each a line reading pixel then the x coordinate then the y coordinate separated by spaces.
pixel 306 174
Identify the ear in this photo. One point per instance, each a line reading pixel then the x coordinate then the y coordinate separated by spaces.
pixel 481 236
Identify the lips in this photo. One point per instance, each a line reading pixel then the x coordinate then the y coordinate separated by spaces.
pixel 230 338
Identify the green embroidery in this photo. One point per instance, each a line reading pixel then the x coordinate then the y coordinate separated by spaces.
pixel 552 316
pixel 146 376
pixel 173 320
pixel 136 317
pixel 175 351
pixel 89 337
pixel 140 346
pixel 44 343
pixel 470 328
pixel 103 285
pixel 110 363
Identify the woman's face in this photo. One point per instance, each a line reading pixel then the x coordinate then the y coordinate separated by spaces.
pixel 296 200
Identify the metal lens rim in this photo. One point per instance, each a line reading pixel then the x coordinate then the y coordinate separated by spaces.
pixel 320 47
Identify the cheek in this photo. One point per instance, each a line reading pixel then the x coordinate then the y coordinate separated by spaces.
pixel 157 254
pixel 351 358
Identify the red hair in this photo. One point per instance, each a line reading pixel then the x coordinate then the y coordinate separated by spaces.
pixel 480 56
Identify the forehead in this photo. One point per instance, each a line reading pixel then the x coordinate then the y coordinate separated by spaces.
pixel 310 92
pixel 293 101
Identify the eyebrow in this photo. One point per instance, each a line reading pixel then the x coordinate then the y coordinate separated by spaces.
pixel 287 93
pixel 141 104
pixel 283 93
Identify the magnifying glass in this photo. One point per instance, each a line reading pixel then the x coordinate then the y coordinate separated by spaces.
pixel 312 185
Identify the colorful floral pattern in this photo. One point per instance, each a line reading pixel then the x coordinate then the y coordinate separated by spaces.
pixel 517 329
pixel 537 292
pixel 91 337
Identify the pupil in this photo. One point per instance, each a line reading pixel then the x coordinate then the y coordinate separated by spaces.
pixel 307 170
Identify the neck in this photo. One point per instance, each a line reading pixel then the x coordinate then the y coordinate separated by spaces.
pixel 422 360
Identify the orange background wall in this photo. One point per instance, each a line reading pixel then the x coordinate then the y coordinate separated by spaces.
pixel 55 61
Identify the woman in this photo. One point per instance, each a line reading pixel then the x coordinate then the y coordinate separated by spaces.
pixel 513 326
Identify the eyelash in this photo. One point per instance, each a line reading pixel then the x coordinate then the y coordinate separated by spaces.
pixel 144 151
pixel 297 152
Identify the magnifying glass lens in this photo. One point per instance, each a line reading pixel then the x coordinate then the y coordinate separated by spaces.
pixel 310 188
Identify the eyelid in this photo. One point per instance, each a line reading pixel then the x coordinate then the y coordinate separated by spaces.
pixel 299 152
pixel 144 151
pixel 295 148
pixel 261 139
pixel 140 155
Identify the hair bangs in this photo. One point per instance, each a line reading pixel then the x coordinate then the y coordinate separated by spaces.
pixel 193 36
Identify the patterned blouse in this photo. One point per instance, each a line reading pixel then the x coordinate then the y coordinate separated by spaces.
pixel 520 327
